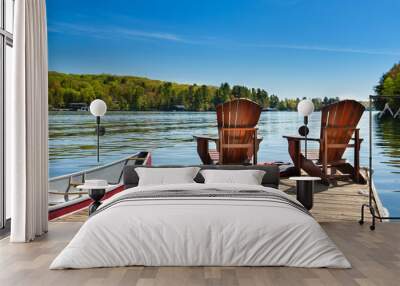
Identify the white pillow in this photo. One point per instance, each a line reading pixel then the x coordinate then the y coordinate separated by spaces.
pixel 248 177
pixel 166 176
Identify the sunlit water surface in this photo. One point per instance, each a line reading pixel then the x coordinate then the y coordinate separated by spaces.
pixel 168 135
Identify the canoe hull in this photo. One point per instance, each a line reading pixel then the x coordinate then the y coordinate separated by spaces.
pixel 64 186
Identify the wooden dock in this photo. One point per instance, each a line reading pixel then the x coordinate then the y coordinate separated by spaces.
pixel 336 203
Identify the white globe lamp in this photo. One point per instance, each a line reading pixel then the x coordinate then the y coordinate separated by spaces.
pixel 305 108
pixel 98 108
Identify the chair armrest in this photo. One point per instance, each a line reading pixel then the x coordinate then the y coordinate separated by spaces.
pixel 300 138
pixel 205 137
pixel 239 128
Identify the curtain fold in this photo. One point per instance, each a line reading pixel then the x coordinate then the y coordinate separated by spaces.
pixel 27 124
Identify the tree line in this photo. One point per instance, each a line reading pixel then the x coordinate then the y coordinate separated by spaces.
pixel 138 93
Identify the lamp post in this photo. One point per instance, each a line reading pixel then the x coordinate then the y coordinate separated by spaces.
pixel 305 108
pixel 98 108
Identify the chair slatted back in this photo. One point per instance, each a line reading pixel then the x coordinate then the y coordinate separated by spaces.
pixel 338 120
pixel 236 114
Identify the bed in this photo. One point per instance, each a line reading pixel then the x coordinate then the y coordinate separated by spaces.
pixel 197 224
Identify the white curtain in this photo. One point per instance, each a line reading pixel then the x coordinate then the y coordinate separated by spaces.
pixel 27 124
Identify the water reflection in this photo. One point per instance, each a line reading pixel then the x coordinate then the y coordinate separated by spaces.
pixel 386 161
pixel 387 132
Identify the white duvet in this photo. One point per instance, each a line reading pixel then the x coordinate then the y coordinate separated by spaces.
pixel 200 231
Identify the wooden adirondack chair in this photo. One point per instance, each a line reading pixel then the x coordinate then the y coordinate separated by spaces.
pixel 237 141
pixel 338 125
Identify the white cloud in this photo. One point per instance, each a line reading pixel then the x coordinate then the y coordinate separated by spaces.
pixel 107 32
pixel 327 49
pixel 145 34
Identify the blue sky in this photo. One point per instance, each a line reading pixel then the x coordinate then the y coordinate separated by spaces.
pixel 293 48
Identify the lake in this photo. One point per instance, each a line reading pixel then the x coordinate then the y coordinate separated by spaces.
pixel 168 135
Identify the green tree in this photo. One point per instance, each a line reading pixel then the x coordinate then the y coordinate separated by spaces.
pixel 389 85
pixel 273 101
pixel 138 93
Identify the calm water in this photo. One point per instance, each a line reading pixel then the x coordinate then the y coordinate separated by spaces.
pixel 168 135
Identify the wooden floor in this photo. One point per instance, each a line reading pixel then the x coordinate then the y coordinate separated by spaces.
pixel 374 255
pixel 338 203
